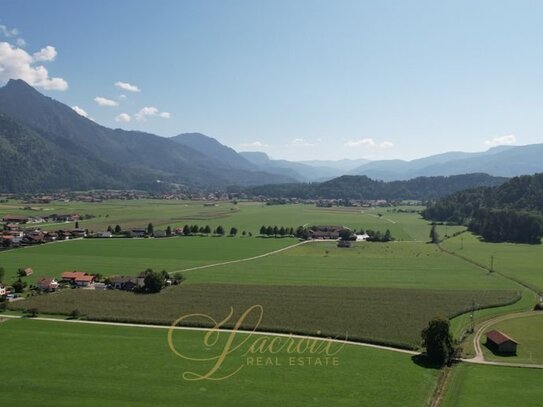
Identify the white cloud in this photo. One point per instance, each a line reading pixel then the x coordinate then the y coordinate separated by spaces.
pixel 127 86
pixel 149 111
pixel 300 142
pixel 501 141
pixel 105 102
pixel 80 111
pixel 6 32
pixel 123 118
pixel 46 54
pixel 368 142
pixel 121 97
pixel 20 42
pixel 254 144
pixel 16 63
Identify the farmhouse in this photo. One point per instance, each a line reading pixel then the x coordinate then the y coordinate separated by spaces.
pixel 500 343
pixel 15 219
pixel 325 232
pixel 77 278
pixel 124 283
pixel 47 284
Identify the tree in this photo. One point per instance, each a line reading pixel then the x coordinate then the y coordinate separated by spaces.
pixel 263 230
pixel 150 229
pixel 345 234
pixel 244 233
pixel 269 230
pixel 388 236
pixel 32 312
pixel 2 273
pixel 220 230
pixel 75 314
pixel 110 229
pixel 118 229
pixel 153 281
pixel 18 286
pixel 21 272
pixel 275 230
pixel 186 230
pixel 233 231
pixel 77 225
pixel 282 231
pixel 194 229
pixel 207 229
pixel 168 231
pixel 434 236
pixel 437 340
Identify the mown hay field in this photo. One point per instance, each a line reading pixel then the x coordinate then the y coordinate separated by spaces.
pixel 85 365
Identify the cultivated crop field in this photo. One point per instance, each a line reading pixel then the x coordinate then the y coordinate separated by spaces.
pixel 381 315
pixel 124 366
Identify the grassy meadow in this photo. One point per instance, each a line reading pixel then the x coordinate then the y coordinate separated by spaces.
pixel 248 216
pixel 478 385
pixel 528 331
pixel 130 256
pixel 392 265
pixel 87 365
pixel 518 261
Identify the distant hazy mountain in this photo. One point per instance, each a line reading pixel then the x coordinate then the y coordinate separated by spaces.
pixel 212 148
pixel 362 187
pixel 505 161
pixel 101 156
pixel 344 165
pixel 300 171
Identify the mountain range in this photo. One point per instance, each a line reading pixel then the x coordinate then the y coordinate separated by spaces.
pixel 46 145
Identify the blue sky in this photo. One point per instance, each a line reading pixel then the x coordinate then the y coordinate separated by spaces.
pixel 296 79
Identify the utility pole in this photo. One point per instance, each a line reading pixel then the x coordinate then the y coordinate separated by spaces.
pixel 472 316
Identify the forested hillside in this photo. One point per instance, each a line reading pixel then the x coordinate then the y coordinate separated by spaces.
pixel 511 212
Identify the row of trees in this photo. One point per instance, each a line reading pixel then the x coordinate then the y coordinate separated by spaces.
pixel 276 231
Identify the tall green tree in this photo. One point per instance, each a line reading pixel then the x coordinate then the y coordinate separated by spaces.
pixel 220 230
pixel 233 231
pixel 434 236
pixel 150 229
pixel 437 340
pixel 153 281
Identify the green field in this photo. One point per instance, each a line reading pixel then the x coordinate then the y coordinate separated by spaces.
pixel 519 261
pixel 62 364
pixel 131 256
pixel 396 264
pixel 248 216
pixel 528 331
pixel 379 315
pixel 476 386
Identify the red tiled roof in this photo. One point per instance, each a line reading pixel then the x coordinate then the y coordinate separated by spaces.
pixel 499 337
pixel 77 276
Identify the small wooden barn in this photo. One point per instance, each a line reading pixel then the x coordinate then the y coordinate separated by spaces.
pixel 500 343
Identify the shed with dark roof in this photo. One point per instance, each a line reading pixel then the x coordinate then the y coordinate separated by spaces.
pixel 500 343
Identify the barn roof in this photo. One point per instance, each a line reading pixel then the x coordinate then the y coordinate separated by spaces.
pixel 499 337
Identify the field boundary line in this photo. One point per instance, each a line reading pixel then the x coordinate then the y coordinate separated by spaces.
pixel 224 263
pixel 224 330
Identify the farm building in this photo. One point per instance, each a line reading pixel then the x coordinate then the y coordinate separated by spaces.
pixel 500 343
pixel 78 278
pixel 2 290
pixel 47 284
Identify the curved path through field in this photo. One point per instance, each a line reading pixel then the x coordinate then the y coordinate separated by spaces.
pixel 479 356
pixel 189 328
pixel 245 259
